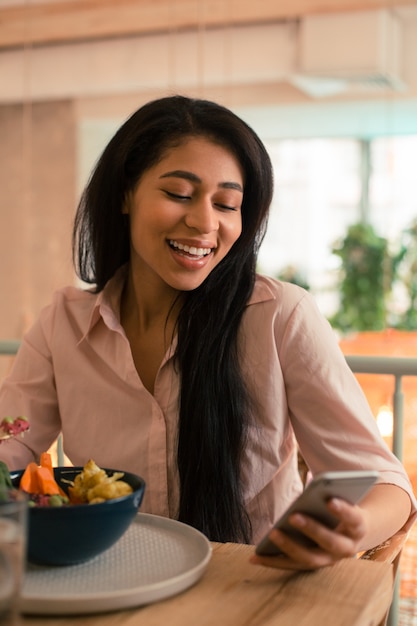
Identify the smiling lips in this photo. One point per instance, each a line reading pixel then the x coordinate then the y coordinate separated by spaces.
pixel 190 250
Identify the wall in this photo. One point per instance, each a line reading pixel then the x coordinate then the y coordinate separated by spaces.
pixel 37 183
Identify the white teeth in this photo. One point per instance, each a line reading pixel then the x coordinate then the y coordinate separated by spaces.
pixel 190 249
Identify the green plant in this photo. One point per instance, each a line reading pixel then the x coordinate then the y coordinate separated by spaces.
pixel 367 274
pixel 406 274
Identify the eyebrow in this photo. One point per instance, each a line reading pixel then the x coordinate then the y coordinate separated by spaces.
pixel 196 179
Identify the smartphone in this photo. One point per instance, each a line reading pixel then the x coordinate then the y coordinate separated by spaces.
pixel 347 485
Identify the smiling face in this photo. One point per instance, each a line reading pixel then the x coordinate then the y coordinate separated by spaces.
pixel 185 214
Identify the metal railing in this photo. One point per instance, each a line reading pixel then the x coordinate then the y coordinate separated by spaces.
pixel 9 346
pixel 398 367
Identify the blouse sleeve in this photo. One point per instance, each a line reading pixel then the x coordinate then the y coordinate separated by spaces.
pixel 331 418
pixel 29 390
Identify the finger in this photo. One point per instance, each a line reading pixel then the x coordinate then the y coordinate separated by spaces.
pixel 293 555
pixel 339 543
pixel 352 520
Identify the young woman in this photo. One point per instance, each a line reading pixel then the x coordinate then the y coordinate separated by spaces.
pixel 182 364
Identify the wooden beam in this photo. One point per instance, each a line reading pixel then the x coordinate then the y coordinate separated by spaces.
pixel 77 20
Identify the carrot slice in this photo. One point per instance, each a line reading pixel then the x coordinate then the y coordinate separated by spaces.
pixel 29 480
pixel 47 483
pixel 46 461
pixel 41 479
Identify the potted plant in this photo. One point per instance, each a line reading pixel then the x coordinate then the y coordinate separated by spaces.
pixel 368 271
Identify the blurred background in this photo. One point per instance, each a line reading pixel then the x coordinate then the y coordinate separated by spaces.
pixel 330 87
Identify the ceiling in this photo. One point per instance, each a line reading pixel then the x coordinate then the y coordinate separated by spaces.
pixel 41 22
pixel 244 53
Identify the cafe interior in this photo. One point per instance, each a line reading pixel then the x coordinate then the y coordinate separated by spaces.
pixel 331 89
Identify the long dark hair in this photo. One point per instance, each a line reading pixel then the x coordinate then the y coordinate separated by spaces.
pixel 214 406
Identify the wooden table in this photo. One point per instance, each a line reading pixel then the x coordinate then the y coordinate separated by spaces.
pixel 233 592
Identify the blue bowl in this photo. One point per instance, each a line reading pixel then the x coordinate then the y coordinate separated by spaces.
pixel 73 534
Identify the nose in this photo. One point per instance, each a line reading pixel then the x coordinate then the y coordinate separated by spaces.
pixel 202 216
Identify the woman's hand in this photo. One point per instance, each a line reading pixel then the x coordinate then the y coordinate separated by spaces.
pixel 332 545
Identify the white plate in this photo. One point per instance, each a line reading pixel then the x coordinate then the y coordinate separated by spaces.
pixel 156 558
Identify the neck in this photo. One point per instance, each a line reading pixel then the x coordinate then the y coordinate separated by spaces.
pixel 149 318
pixel 148 305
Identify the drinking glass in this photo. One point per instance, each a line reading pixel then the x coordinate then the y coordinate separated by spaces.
pixel 13 528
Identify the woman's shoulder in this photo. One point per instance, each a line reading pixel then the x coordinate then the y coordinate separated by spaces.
pixel 83 296
pixel 284 304
pixel 271 289
pixel 69 306
pixel 72 296
pixel 81 306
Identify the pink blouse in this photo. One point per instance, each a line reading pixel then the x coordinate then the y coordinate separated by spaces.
pixel 75 373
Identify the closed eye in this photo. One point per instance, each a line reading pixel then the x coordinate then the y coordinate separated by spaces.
pixel 177 196
pixel 225 207
pixel 183 198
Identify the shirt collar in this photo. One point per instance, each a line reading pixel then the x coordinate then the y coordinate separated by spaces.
pixel 107 304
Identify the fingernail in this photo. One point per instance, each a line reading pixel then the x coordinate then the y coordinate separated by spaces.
pixel 298 520
pixel 336 503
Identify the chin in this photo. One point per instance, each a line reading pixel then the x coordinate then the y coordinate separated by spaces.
pixel 187 284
